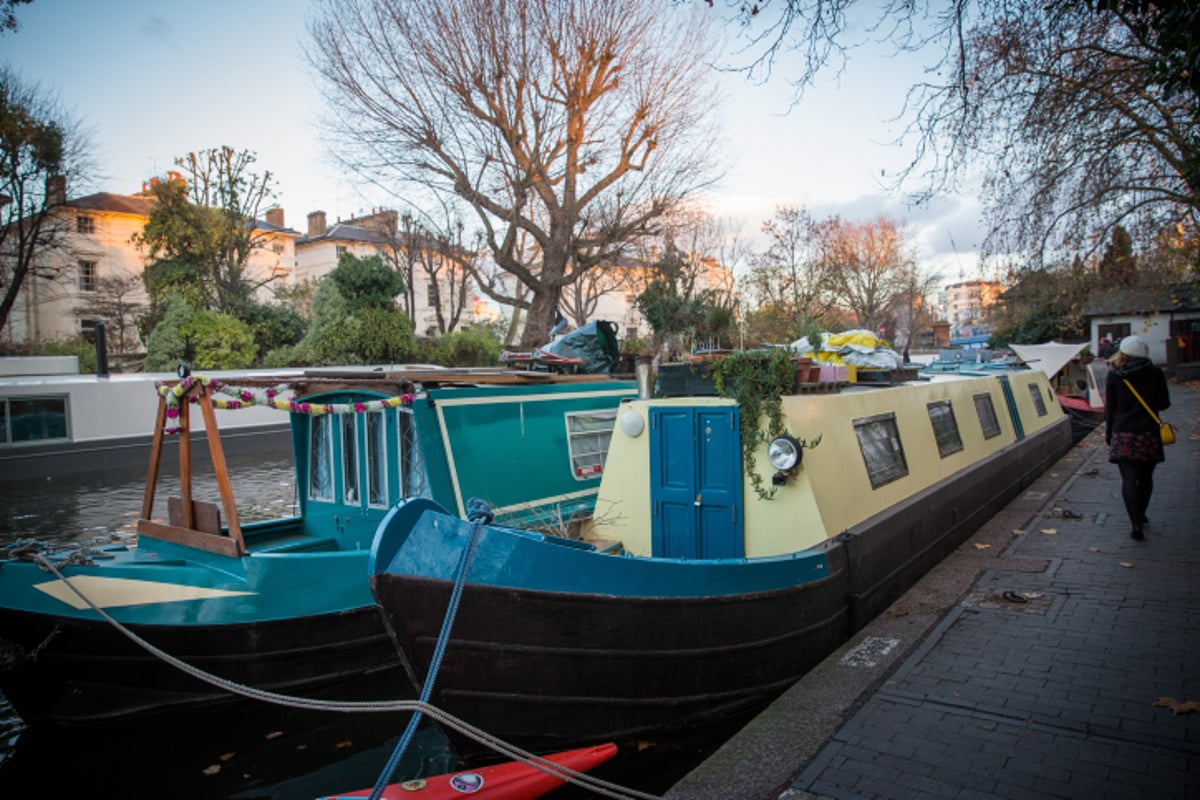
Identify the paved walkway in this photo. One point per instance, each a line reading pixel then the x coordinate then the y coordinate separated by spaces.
pixel 1054 697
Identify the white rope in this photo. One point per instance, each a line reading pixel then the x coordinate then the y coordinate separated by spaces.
pixel 597 785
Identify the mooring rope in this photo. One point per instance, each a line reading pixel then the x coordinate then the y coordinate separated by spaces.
pixel 601 787
pixel 479 515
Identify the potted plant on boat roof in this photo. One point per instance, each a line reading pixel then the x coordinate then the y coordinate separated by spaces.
pixel 757 380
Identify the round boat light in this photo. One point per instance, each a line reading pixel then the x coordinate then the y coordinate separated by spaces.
pixel 784 453
pixel 632 423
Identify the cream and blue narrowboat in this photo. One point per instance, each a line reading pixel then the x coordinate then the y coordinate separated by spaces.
pixel 697 598
pixel 285 604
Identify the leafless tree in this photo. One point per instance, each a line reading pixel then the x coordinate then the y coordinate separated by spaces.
pixel 42 152
pixel 870 265
pixel 1080 117
pixel 591 113
pixel 793 273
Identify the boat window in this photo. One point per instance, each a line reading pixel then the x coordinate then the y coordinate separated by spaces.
pixel 377 493
pixel 1038 402
pixel 945 427
pixel 349 459
pixel 879 441
pixel 589 434
pixel 987 415
pixel 414 482
pixel 320 457
pixel 32 419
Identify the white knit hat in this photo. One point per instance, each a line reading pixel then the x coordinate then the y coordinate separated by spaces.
pixel 1134 347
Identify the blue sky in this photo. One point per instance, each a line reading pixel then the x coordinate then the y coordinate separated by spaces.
pixel 155 80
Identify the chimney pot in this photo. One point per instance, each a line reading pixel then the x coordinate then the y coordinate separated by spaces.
pixel 56 190
pixel 275 217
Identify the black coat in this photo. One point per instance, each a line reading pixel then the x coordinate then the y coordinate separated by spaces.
pixel 1122 411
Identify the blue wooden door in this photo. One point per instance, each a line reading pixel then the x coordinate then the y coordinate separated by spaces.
pixel 695 482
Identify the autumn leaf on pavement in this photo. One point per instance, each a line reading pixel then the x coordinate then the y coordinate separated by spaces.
pixel 1050 531
pixel 981 546
pixel 1178 706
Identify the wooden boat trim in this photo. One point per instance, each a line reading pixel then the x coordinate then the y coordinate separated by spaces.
pixel 211 542
pixel 232 543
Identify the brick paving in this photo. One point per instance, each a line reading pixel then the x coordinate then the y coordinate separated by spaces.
pixel 1053 697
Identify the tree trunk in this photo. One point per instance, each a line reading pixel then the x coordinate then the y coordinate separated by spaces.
pixel 542 315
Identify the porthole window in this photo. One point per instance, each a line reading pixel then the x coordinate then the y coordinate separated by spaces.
pixel 945 427
pixel 1038 402
pixel 987 415
pixel 882 452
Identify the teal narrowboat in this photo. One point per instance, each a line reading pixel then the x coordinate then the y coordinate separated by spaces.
pixel 284 604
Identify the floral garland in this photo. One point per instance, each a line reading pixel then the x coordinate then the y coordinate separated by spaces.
pixel 244 398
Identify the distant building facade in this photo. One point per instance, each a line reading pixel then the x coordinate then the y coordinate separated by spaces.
pixel 964 305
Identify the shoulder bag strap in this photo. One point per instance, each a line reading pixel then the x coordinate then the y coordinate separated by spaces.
pixel 1143 402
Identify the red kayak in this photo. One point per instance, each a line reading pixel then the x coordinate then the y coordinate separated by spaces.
pixel 512 780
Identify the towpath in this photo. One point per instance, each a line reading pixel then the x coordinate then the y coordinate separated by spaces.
pixel 1049 657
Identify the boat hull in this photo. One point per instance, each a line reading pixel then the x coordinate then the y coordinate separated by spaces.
pixel 553 645
pixel 547 669
pixel 68 670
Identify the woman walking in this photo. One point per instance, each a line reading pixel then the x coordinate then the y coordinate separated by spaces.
pixel 1131 432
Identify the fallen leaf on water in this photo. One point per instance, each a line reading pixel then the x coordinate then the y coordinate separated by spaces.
pixel 644 745
pixel 981 546
pixel 1050 531
pixel 274 734
pixel 213 770
pixel 1018 532
pixel 1094 549
pixel 227 756
pixel 301 747
pixel 1178 706
pixel 1127 564
pixel 344 745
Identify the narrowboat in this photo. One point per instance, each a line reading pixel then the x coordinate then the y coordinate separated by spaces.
pixel 709 581
pixel 284 604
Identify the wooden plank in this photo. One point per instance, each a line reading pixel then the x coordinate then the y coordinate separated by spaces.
pixel 155 457
pixel 217 453
pixel 189 538
pixel 185 461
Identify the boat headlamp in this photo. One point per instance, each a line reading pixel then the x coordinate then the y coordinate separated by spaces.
pixel 784 453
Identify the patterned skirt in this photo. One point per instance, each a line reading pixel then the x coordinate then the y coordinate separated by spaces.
pixel 1141 447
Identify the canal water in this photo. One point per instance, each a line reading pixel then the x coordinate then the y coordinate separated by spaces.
pixel 267 752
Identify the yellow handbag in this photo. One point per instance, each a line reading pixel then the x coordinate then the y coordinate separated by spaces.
pixel 1165 429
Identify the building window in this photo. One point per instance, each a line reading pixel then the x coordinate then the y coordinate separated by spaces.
pixel 987 415
pixel 340 251
pixel 85 224
pixel 277 248
pixel 32 419
pixel 882 452
pixel 431 297
pixel 87 276
pixel 945 427
pixel 589 434
pixel 320 457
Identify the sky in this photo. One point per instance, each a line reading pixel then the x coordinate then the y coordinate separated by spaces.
pixel 155 79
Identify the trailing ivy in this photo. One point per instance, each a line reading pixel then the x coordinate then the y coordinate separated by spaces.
pixel 757 380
